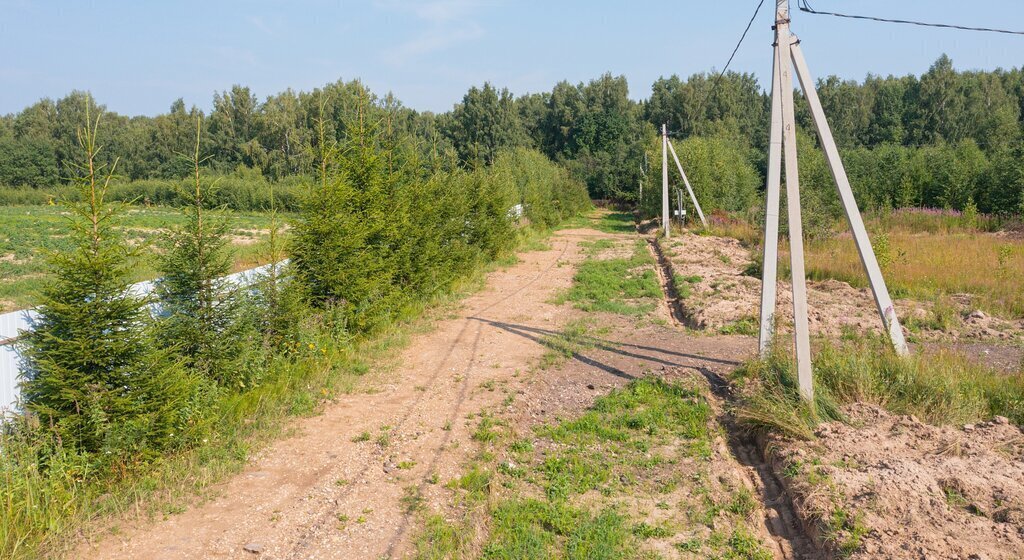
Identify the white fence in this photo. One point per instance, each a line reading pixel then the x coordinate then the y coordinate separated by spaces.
pixel 14 323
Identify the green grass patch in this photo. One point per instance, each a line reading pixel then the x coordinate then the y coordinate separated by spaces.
pixel 627 286
pixel 575 338
pixel 441 539
pixel 564 492
pixel 684 284
pixel 943 388
pixel 747 326
pixel 604 220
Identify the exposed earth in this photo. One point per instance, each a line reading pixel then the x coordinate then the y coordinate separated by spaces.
pixel 725 296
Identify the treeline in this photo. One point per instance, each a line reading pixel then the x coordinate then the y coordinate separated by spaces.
pixel 944 139
pixel 594 129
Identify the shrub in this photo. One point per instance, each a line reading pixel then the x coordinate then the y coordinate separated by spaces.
pixel 375 235
pixel 203 318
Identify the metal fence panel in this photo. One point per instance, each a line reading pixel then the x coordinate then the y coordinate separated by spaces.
pixel 14 323
pixel 9 367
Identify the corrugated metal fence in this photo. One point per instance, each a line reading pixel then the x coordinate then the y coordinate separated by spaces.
pixel 14 323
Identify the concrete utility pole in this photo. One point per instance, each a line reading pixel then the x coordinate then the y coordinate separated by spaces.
pixel 689 189
pixel 801 330
pixel 782 150
pixel 642 177
pixel 769 264
pixel 664 181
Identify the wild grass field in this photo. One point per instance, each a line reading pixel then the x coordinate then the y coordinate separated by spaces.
pixel 28 233
pixel 926 264
pixel 925 254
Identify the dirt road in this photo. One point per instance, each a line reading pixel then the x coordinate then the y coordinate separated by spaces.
pixel 322 493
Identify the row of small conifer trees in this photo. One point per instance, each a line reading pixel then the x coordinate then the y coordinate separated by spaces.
pixel 121 379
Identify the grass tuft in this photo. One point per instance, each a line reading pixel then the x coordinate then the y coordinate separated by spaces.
pixel 942 388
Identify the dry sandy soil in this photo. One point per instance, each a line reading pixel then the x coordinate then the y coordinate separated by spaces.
pixel 921 491
pixel 335 488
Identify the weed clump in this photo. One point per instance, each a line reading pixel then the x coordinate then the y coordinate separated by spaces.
pixel 943 388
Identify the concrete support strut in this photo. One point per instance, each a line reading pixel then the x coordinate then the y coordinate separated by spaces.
pixel 686 182
pixel 664 182
pixel 782 150
pixel 886 309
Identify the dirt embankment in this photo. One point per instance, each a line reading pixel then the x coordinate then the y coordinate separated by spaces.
pixel 889 486
pixel 878 485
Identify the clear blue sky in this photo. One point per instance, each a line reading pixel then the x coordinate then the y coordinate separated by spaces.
pixel 139 56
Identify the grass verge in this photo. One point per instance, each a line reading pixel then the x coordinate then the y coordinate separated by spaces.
pixel 627 286
pixel 628 477
pixel 942 388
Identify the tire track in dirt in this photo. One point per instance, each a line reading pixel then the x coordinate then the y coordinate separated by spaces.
pixel 306 539
pixel 781 522
pixel 456 408
pixel 396 540
pixel 318 525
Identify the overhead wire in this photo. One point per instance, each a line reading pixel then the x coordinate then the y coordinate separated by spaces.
pixel 805 6
pixel 718 79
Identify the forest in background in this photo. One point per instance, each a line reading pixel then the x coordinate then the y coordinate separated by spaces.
pixel 948 139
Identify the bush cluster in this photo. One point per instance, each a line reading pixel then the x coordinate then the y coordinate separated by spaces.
pixel 719 169
pixel 377 232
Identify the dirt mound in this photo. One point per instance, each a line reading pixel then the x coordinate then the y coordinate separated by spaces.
pixel 890 486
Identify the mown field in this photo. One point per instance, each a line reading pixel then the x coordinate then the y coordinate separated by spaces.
pixel 29 233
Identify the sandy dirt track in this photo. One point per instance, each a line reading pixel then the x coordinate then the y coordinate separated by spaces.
pixel 319 494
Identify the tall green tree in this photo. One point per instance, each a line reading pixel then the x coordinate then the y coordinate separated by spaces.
pixel 204 320
pixel 485 123
pixel 233 126
pixel 93 374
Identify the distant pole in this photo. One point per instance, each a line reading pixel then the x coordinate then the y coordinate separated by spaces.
pixel 642 176
pixel 664 180
pixel 679 206
pixel 689 189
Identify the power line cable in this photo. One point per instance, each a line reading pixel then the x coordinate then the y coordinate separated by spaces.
pixel 806 7
pixel 718 79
